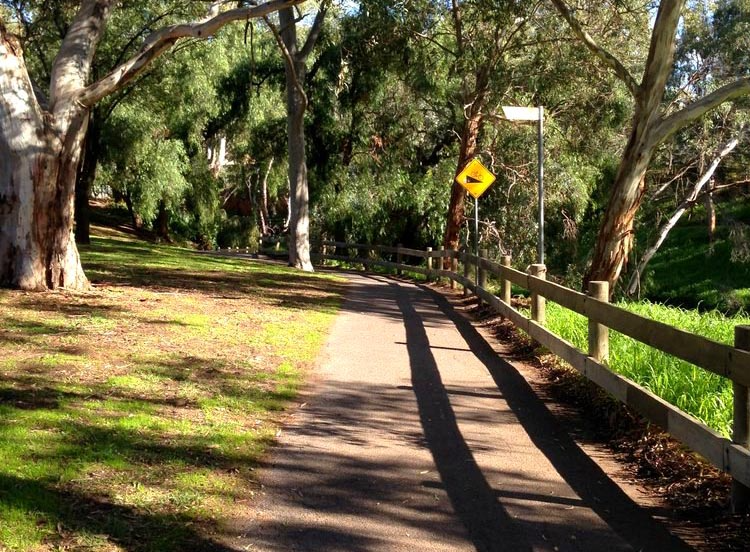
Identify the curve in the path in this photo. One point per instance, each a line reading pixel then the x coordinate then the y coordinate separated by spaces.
pixel 417 436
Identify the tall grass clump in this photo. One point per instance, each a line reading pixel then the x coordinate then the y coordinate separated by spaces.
pixel 698 392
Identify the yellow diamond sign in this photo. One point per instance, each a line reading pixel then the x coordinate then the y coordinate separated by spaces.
pixel 475 178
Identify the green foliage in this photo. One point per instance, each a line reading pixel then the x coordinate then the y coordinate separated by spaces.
pixel 702 394
pixel 389 207
pixel 236 231
pixel 142 163
pixel 691 272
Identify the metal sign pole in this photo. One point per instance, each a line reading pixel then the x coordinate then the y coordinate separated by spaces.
pixel 540 163
pixel 476 239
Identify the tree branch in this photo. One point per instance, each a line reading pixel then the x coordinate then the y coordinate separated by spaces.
pixel 686 203
pixel 72 66
pixel 680 119
pixel 436 43
pixel 312 36
pixel 288 59
pixel 660 54
pixel 607 58
pixel 163 39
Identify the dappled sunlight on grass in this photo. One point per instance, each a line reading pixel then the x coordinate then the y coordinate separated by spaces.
pixel 132 416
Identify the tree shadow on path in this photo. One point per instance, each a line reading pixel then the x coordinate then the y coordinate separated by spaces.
pixel 474 500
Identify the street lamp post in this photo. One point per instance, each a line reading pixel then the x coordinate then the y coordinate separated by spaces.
pixel 512 113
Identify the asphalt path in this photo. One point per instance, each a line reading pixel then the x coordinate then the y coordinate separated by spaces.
pixel 417 436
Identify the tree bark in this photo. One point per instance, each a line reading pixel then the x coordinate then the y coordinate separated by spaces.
pixel 615 237
pixel 39 161
pixel 295 68
pixel 161 224
pixel 296 104
pixel 473 120
pixel 469 137
pixel 265 219
pixel 710 211
pixel 41 140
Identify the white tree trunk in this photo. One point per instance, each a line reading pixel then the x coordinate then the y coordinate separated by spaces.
pixel 296 104
pixel 39 160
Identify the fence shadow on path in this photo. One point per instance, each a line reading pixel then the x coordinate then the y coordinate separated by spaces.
pixel 360 472
pixel 630 521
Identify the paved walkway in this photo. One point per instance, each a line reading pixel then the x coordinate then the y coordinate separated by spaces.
pixel 418 437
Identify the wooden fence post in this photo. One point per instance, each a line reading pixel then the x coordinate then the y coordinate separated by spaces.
pixel 467 266
pixel 482 272
pixel 429 264
pixel 399 258
pixel 538 305
pixel 741 423
pixel 454 268
pixel 504 282
pixel 599 333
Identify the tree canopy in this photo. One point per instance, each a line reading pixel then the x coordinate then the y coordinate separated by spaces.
pixel 392 100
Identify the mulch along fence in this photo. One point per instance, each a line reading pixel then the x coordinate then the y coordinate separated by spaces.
pixel 731 456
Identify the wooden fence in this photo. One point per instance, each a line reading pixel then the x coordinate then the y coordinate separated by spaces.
pixel 731 456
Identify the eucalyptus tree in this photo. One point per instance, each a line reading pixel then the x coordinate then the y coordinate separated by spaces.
pixel 295 58
pixel 42 126
pixel 702 159
pixel 653 123
pixel 484 36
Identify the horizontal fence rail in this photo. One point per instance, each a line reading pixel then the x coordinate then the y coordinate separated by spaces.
pixel 731 456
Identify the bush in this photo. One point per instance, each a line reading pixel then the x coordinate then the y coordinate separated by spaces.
pixel 239 231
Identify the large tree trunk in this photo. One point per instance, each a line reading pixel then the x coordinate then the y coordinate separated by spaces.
pixel 615 237
pixel 296 104
pixel 38 164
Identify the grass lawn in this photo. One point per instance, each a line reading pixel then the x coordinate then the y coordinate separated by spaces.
pixel 132 416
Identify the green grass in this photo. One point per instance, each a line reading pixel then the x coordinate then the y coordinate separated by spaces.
pixel 687 271
pixel 132 416
pixel 706 396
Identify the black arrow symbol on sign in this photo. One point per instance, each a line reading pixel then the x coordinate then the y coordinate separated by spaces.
pixel 471 180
